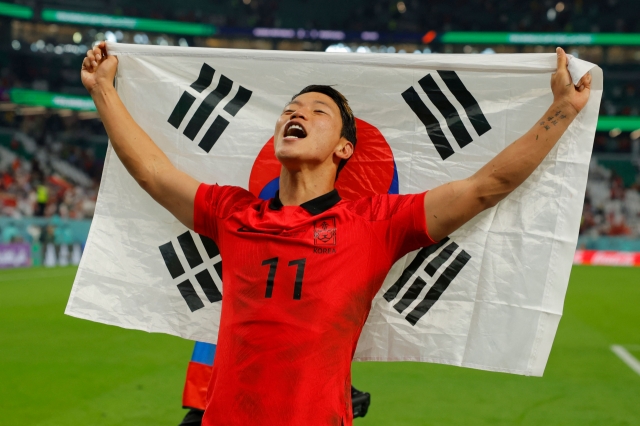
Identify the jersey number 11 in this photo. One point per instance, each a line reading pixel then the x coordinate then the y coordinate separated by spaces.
pixel 273 265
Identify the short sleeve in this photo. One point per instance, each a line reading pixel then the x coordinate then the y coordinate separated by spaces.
pixel 400 223
pixel 214 203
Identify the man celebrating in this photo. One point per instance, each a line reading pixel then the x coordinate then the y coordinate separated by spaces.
pixel 291 314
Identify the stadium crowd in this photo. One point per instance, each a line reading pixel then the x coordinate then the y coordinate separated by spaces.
pixel 404 15
pixel 44 170
pixel 611 207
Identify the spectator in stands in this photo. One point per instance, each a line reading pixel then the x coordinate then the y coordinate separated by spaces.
pixel 617 225
pixel 42 198
pixel 617 187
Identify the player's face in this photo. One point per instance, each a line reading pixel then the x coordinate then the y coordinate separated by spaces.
pixel 308 131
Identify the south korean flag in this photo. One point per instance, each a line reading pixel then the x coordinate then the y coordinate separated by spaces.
pixel 489 296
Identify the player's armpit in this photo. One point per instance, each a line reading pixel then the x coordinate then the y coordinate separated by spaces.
pixel 449 206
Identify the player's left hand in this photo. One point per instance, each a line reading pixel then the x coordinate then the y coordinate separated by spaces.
pixel 562 86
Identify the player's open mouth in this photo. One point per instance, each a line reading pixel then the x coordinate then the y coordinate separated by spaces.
pixel 294 131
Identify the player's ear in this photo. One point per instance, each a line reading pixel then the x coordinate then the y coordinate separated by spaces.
pixel 344 150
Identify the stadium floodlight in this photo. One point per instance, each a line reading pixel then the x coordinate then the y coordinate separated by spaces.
pixel 127 22
pixel 338 48
pixel 16 11
pixel 110 36
pixel 463 37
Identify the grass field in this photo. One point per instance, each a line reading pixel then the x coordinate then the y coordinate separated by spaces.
pixel 57 370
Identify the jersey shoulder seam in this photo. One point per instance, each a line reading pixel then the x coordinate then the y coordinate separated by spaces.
pixel 240 205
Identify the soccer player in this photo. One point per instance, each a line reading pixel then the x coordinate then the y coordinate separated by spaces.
pixel 301 269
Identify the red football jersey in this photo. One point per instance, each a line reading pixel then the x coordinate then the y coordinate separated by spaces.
pixel 298 287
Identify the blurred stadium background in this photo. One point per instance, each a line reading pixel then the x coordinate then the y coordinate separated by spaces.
pixel 56 370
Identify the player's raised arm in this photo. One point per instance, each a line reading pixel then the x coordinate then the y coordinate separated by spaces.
pixel 451 205
pixel 148 165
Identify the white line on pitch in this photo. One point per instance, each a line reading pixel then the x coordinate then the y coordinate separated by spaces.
pixel 626 357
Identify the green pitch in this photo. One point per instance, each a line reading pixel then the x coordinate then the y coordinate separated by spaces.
pixel 57 370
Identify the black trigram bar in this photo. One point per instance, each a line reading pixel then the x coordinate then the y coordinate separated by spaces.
pixel 208 286
pixel 187 99
pixel 207 106
pixel 210 246
pixel 204 79
pixel 189 249
pixel 213 134
pixel 466 99
pixel 181 109
pixel 410 295
pixel 204 278
pixel 422 255
pixel 430 122
pixel 239 100
pixel 171 260
pixel 190 296
pixel 218 268
pixel 445 107
pixel 444 255
pixel 438 288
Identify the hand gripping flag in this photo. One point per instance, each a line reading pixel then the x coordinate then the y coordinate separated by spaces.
pixel 490 296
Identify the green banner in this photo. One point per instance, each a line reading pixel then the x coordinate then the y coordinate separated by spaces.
pixel 16 11
pixel 458 37
pixel 51 100
pixel 126 22
pixel 625 124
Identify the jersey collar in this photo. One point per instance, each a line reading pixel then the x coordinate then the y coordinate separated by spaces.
pixel 316 206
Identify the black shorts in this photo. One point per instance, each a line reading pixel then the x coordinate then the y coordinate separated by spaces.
pixel 193 418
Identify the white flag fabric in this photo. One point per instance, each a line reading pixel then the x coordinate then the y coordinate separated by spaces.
pixel 488 297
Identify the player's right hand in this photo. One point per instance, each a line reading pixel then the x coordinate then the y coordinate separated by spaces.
pixel 98 68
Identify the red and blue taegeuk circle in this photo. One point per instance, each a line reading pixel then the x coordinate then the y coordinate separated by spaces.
pixel 370 171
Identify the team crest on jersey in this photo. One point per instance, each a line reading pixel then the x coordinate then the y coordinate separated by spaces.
pixel 324 233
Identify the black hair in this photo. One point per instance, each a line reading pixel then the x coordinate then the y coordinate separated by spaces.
pixel 348 120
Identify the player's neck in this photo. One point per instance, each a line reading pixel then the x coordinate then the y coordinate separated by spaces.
pixel 297 187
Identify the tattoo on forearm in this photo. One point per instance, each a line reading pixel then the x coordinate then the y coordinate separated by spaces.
pixel 552 120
